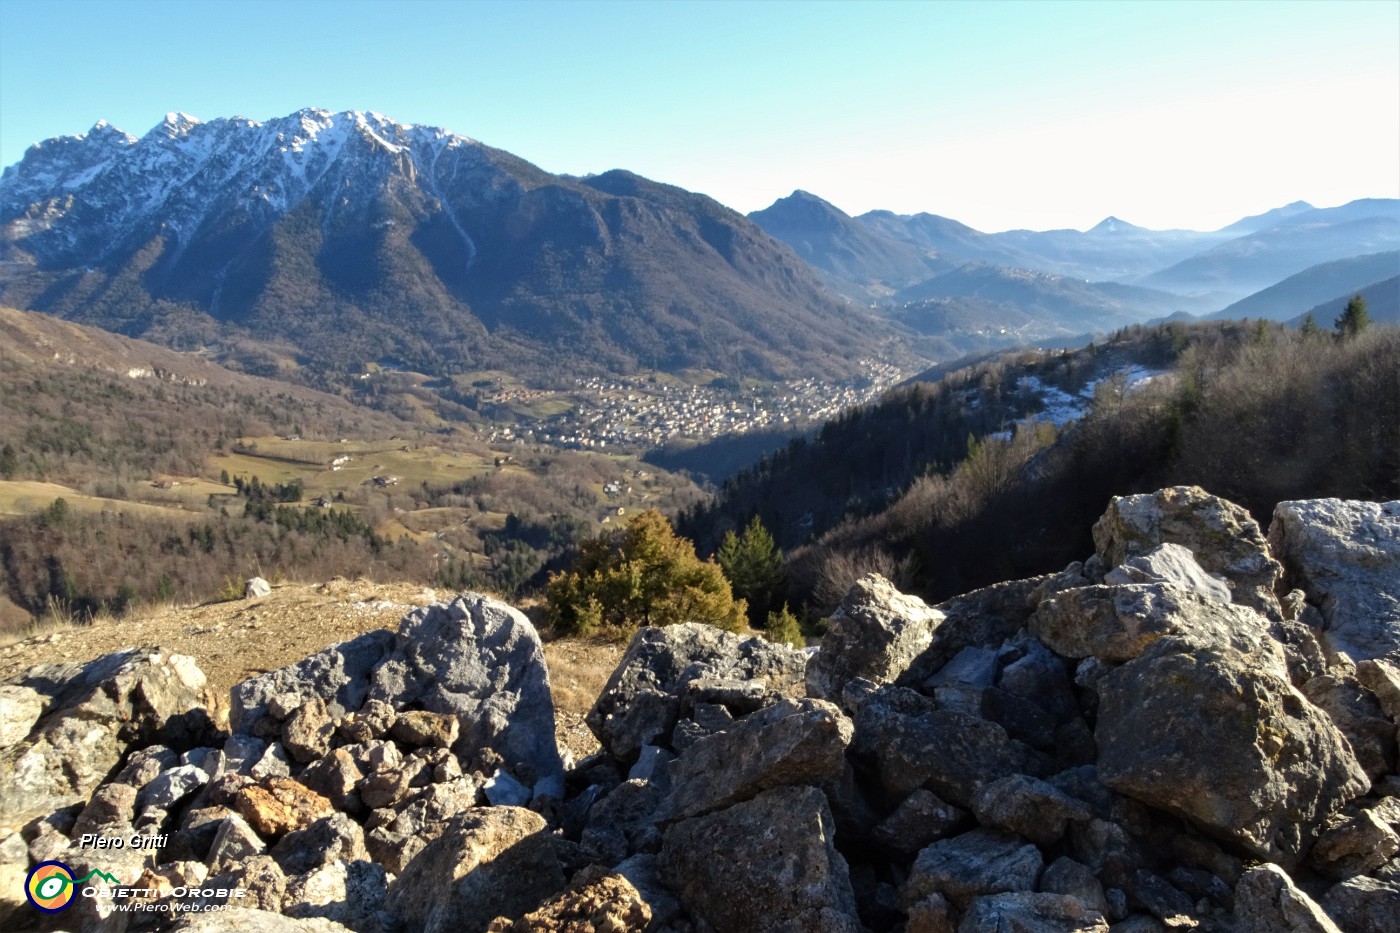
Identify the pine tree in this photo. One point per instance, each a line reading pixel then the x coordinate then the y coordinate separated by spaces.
pixel 1355 319
pixel 754 566
pixel 643 574
pixel 1309 326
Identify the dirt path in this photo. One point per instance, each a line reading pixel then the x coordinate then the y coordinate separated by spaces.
pixel 235 640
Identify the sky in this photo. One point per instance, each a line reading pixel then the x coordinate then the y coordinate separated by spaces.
pixel 1002 115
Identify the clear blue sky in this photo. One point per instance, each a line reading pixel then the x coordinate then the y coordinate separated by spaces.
pixel 1001 115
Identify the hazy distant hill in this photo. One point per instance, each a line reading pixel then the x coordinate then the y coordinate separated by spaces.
pixel 850 252
pixel 1304 239
pixel 1298 293
pixel 356 238
pixel 1382 304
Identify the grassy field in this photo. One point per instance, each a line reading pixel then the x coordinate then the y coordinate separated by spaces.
pixel 26 497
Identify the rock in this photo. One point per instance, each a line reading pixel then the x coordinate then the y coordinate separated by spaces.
pixel 277 806
pixel 422 728
pixel 338 675
pixel 329 839
pixel 1029 808
pixel 1231 747
pixel 653 765
pixel 145 765
pixel 1119 623
pixel 1024 912
pixel 1346 556
pixel 274 762
pixel 1225 541
pixel 260 876
pixel 1039 677
pixel 489 862
pixel 641 702
pixel 933 914
pixel 644 873
pixel 20 709
pixel 1173 564
pixel 14 869
pixel 767 864
pixel 171 787
pixel 1364 905
pixel 1163 900
pixel 256 588
pixel 306 735
pixel 393 838
pixel 876 633
pixel 1355 845
pixel 479 660
pixel 234 842
pixel 623 822
pixel 980 619
pixel 351 893
pixel 1266 901
pixel 981 862
pixel 792 742
pixel 1066 876
pixel 111 805
pixel 912 743
pixel 253 921
pixel 503 790
pixel 1382 678
pixel 921 818
pixel 97 712
pixel 336 777
pixel 596 900
pixel 1358 715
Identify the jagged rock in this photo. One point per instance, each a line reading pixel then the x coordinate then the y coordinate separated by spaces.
pixel 767 864
pixel 933 914
pixel 1172 564
pixel 372 721
pixel 641 703
pixel 420 727
pixel 1163 900
pixel 1232 747
pixel 1028 807
pixel 253 921
pixel 111 805
pixel 1346 556
pixel 1358 715
pixel 234 841
pixel 20 709
pixel 329 839
pixel 1364 905
pixel 336 777
pixel 1382 678
pixel 791 742
pixel 481 661
pixel 1355 845
pixel 1304 654
pixel 981 862
pixel 145 765
pixel 623 822
pixel 1025 912
pixel 393 838
pixel 876 633
pixel 338 675
pixel 256 588
pixel 1066 876
pixel 1119 623
pixel 1266 901
pixel 171 787
pixel 489 862
pixel 654 765
pixel 644 874
pixel 351 893
pixel 912 743
pixel 1225 541
pixel 260 876
pixel 306 735
pixel 981 619
pixel 921 818
pixel 503 790
pixel 1039 677
pixel 596 900
pixel 278 806
pixel 14 868
pixel 384 789
pixel 98 711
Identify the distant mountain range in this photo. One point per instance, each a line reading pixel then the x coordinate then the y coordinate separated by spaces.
pixel 354 238
pixel 1299 293
pixel 330 241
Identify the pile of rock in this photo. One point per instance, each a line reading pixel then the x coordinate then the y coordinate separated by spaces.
pixel 1193 729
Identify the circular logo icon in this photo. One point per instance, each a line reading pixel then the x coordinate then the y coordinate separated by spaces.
pixel 50 887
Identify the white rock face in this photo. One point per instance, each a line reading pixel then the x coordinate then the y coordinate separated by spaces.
pixel 1346 556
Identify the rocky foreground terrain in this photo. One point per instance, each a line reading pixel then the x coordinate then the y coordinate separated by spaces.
pixel 1194 728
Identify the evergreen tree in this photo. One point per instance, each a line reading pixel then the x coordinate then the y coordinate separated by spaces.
pixel 9 462
pixel 1309 326
pixel 643 574
pixel 754 566
pixel 1354 319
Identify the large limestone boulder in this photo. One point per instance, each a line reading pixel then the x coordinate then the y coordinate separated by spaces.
pixel 1267 901
pixel 481 661
pixel 338 676
pixel 982 862
pixel 95 713
pixel 1346 556
pixel 489 862
pixel 791 742
pixel 596 900
pixel 767 865
pixel 1226 542
pixel 654 683
pixel 876 634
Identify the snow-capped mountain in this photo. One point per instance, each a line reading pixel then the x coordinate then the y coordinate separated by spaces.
pixel 359 238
